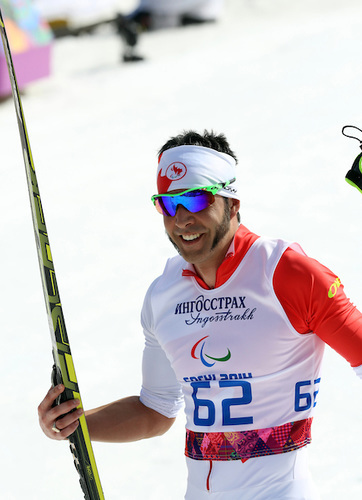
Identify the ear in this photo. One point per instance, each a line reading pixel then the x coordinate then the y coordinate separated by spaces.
pixel 234 207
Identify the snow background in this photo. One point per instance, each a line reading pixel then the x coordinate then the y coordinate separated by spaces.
pixel 280 79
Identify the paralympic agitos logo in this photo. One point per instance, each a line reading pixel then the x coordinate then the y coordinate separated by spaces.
pixel 198 352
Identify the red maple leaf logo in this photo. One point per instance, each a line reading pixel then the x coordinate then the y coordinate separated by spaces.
pixel 177 171
pixel 174 172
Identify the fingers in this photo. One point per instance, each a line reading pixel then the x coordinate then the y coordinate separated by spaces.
pixel 60 421
pixel 66 425
pixel 50 397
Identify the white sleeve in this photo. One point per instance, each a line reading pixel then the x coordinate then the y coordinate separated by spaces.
pixel 161 390
pixel 358 370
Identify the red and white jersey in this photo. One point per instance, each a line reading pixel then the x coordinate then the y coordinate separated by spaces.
pixel 232 352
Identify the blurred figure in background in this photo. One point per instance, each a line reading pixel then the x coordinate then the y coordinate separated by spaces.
pixel 69 17
pixel 158 14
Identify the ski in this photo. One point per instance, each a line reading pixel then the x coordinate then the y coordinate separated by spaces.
pixel 63 370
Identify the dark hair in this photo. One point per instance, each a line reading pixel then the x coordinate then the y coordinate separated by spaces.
pixel 208 140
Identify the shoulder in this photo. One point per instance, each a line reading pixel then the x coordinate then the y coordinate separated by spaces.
pixel 267 252
pixel 297 267
pixel 159 289
pixel 171 274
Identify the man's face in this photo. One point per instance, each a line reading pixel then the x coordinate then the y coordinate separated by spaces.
pixel 202 238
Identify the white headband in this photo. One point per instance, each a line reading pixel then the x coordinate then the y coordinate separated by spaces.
pixel 185 167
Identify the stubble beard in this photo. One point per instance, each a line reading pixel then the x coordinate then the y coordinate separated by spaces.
pixel 223 227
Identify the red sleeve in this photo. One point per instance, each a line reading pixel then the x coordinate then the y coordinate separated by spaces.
pixel 314 301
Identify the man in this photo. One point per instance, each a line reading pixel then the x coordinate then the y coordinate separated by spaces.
pixel 235 326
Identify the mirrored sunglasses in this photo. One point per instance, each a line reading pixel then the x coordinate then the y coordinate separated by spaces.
pixel 194 199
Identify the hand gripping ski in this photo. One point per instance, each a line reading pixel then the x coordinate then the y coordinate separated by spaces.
pixel 63 371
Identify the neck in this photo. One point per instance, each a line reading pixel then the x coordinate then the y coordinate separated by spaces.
pixel 208 270
pixel 208 277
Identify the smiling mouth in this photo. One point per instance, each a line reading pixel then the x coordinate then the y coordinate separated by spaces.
pixel 190 237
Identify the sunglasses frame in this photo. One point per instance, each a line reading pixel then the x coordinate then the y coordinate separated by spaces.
pixel 213 189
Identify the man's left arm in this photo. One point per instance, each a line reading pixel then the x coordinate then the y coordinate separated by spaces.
pixel 314 300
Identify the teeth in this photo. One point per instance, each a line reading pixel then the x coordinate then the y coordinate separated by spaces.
pixel 190 237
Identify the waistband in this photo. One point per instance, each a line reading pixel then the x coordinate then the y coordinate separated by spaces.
pixel 242 445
